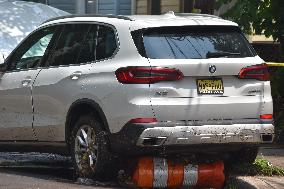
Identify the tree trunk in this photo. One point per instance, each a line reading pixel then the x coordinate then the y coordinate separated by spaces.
pixel 280 14
pixel 281 40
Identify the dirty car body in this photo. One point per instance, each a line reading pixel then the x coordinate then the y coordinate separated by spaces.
pixel 168 84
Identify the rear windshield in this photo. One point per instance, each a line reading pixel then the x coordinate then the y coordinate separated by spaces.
pixel 194 42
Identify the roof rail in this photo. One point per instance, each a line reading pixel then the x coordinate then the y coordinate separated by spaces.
pixel 190 14
pixel 88 15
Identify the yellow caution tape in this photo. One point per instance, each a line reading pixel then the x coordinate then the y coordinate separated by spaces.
pixel 274 64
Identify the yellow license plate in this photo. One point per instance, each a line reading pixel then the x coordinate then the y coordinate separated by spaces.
pixel 210 86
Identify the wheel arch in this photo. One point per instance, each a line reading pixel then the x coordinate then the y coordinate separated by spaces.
pixel 82 107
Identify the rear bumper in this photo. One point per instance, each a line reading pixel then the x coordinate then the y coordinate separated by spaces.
pixel 162 138
pixel 208 134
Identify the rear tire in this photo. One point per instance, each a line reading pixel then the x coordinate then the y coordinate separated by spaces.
pixel 246 155
pixel 90 149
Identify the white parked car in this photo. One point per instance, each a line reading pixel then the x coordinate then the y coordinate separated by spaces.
pixel 96 88
pixel 19 18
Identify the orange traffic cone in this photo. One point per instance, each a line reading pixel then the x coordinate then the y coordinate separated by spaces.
pixel 161 173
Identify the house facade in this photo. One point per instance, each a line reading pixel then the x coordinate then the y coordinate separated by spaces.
pixel 117 7
pixel 127 7
pixel 163 6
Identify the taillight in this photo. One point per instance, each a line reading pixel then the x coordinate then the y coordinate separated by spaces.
pixel 266 116
pixel 143 120
pixel 259 72
pixel 145 75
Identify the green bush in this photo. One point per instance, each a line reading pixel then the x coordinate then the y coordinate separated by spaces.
pixel 260 167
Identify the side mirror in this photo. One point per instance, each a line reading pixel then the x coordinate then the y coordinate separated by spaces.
pixel 2 58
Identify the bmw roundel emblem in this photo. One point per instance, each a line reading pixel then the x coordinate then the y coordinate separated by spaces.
pixel 212 69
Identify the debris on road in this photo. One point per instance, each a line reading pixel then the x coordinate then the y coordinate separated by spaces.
pixel 92 182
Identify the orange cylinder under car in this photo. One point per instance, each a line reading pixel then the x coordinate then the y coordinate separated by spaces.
pixel 153 172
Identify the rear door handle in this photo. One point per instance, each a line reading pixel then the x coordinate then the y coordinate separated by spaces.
pixel 26 81
pixel 75 75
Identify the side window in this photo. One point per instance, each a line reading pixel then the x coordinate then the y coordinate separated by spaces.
pixel 38 49
pixel 87 52
pixel 106 43
pixel 30 53
pixel 70 44
pixel 82 43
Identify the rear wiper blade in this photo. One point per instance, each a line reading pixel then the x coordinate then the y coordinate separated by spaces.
pixel 221 54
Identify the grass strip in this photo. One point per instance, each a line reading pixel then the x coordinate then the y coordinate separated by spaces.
pixel 260 167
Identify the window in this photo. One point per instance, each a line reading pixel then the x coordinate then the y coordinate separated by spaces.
pixel 154 7
pixel 69 45
pixel 82 43
pixel 186 5
pixel 194 43
pixel 91 7
pixel 106 43
pixel 87 51
pixel 31 52
pixel 38 49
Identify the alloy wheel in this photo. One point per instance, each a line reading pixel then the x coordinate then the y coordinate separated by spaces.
pixel 86 149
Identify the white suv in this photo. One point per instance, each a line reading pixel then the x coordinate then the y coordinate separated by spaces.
pixel 98 87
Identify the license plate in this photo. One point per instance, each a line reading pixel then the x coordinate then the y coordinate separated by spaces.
pixel 210 86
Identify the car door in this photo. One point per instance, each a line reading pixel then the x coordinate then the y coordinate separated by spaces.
pixel 18 74
pixel 58 81
pixel 69 75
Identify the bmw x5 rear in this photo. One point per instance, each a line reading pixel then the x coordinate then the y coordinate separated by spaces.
pixel 209 92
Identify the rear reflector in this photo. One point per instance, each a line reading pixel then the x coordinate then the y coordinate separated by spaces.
pixel 143 120
pixel 266 116
pixel 259 72
pixel 147 75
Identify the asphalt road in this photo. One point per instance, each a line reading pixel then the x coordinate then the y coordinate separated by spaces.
pixel 42 171
pixel 48 171
pixel 35 179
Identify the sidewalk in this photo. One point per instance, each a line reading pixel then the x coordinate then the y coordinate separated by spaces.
pixel 256 182
pixel 275 155
pixel 260 182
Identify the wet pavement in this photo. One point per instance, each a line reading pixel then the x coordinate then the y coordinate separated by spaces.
pixel 37 179
pixel 48 171
pixel 41 171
